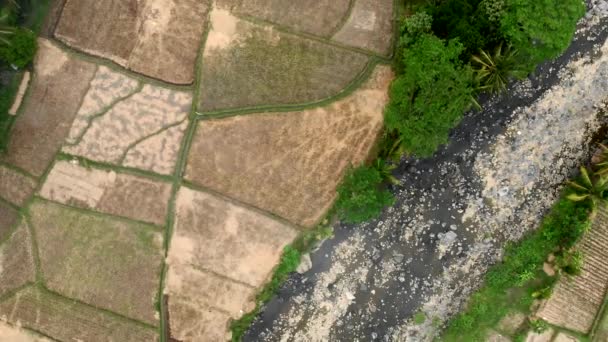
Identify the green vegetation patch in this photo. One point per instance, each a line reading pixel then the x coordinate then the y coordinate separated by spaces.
pixel 513 284
pixel 105 262
pixel 541 29
pixel 263 67
pixel 431 95
pixel 361 195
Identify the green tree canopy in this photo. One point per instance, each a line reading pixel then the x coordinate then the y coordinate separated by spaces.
pixel 429 98
pixel 541 29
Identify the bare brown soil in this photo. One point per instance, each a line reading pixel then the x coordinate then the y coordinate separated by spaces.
pixel 15 187
pixel 66 320
pixel 369 26
pixel 105 262
pixel 157 38
pixel 108 192
pixel 57 88
pixel 290 163
pixel 230 240
pixel 250 65
pixel 8 217
pixel 143 129
pixel 219 254
pixel 12 334
pixel 16 261
pixel 318 17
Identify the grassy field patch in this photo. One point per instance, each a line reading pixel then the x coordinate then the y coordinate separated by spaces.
pixel 258 66
pixel 105 262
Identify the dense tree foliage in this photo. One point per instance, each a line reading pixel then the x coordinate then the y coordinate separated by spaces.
pixel 360 196
pixel 429 98
pixel 470 22
pixel 20 49
pixel 541 29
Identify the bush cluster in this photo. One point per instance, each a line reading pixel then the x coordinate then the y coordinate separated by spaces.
pixel 447 52
pixel 20 49
pixel 519 278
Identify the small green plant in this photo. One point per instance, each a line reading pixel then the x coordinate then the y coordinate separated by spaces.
pixel 419 318
pixel 360 196
pixel 493 71
pixel 570 262
pixel 589 187
pixel 386 171
pixel 543 293
pixel 391 147
pixel 538 325
pixel 21 49
pixel 602 164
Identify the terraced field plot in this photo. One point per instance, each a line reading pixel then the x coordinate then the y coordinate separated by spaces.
pixel 289 163
pixel 125 214
pixel 158 38
pixel 248 65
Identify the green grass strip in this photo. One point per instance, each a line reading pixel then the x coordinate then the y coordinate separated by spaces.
pixel 513 284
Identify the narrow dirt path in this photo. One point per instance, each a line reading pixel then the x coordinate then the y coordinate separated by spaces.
pixel 454 212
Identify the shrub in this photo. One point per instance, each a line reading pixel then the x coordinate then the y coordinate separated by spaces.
pixel 540 29
pixel 431 96
pixel 360 196
pixel 21 48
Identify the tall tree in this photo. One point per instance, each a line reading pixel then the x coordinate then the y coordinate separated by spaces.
pixel 541 29
pixel 429 98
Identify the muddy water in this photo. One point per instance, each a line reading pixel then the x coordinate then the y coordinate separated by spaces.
pixel 454 211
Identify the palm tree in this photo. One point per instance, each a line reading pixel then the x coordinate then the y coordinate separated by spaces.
pixel 589 187
pixel 385 169
pixel 602 164
pixel 5 29
pixel 493 72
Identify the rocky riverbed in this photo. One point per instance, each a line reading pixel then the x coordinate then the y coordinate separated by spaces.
pixel 454 212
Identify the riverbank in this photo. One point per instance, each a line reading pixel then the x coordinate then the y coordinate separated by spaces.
pixel 492 183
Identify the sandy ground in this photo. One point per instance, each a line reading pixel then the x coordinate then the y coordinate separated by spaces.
pixel 9 333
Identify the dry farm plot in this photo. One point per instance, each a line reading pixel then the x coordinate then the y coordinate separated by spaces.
pixel 9 333
pixel 16 260
pixel 220 252
pixel 129 125
pixel 105 262
pixel 318 17
pixel 57 89
pixel 14 186
pixel 8 217
pixel 66 320
pixel 158 38
pixel 247 65
pixel 290 163
pixel 108 192
pixel 369 26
